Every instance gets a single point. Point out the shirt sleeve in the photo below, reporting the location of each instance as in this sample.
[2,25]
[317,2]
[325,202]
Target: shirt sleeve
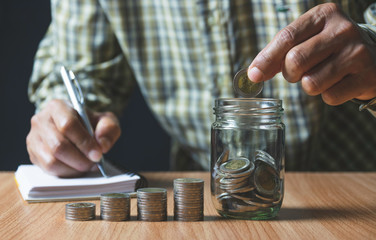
[370,22]
[80,38]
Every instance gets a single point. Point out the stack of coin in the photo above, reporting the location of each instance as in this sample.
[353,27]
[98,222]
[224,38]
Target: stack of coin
[80,211]
[152,204]
[188,199]
[236,173]
[115,206]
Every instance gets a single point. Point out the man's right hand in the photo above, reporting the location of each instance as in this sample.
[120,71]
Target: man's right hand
[59,143]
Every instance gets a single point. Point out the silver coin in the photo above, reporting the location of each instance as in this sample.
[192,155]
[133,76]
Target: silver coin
[259,204]
[151,191]
[188,181]
[264,156]
[234,186]
[223,195]
[244,208]
[265,199]
[231,180]
[243,196]
[246,173]
[223,158]
[241,190]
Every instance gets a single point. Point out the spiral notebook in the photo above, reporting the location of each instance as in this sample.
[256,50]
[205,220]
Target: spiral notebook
[37,186]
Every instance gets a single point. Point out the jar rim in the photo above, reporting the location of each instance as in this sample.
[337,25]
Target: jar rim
[248,100]
[248,106]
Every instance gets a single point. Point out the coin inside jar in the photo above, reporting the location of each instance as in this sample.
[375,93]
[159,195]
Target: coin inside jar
[244,86]
[264,156]
[235,165]
[266,179]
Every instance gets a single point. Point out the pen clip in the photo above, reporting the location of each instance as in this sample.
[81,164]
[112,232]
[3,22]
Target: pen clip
[78,92]
[76,96]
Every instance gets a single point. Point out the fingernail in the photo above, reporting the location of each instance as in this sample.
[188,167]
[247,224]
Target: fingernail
[95,155]
[255,75]
[105,144]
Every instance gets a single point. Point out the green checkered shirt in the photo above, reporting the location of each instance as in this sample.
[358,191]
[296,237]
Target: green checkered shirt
[183,55]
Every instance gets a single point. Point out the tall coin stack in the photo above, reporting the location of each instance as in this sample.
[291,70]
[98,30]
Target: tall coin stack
[115,206]
[80,211]
[188,199]
[152,204]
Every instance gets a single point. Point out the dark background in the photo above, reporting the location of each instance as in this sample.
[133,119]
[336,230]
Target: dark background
[143,145]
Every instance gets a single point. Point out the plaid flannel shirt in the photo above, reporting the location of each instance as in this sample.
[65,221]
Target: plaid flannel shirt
[183,55]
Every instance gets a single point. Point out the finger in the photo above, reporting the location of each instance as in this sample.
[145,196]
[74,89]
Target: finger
[30,145]
[330,71]
[53,166]
[322,77]
[39,155]
[348,88]
[65,151]
[307,55]
[269,61]
[107,130]
[68,123]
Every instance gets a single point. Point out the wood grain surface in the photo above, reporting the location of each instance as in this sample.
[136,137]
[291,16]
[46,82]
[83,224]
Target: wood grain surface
[316,206]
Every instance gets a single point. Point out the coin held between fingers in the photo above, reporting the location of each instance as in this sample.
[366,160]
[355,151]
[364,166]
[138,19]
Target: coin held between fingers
[244,86]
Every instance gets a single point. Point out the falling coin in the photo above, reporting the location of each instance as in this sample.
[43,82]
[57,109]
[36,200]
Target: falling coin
[244,86]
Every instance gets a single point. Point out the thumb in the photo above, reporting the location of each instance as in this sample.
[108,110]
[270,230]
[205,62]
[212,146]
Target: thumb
[107,130]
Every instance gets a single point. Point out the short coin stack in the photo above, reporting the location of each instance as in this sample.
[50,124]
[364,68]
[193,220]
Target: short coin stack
[152,204]
[115,206]
[80,211]
[188,199]
[235,177]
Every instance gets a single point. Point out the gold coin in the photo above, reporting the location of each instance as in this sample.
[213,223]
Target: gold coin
[266,178]
[235,165]
[244,86]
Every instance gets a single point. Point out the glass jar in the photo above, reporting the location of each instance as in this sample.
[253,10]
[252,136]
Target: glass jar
[247,157]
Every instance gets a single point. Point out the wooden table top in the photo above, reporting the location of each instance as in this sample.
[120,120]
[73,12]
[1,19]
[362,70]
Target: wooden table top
[316,206]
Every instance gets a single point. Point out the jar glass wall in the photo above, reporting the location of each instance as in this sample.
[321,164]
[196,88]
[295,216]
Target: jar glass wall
[247,158]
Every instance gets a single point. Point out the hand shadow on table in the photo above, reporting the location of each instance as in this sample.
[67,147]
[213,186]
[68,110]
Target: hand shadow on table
[320,213]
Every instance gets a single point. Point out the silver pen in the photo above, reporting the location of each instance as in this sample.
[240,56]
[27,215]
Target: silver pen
[78,102]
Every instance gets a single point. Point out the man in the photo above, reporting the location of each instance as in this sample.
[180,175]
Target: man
[183,55]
